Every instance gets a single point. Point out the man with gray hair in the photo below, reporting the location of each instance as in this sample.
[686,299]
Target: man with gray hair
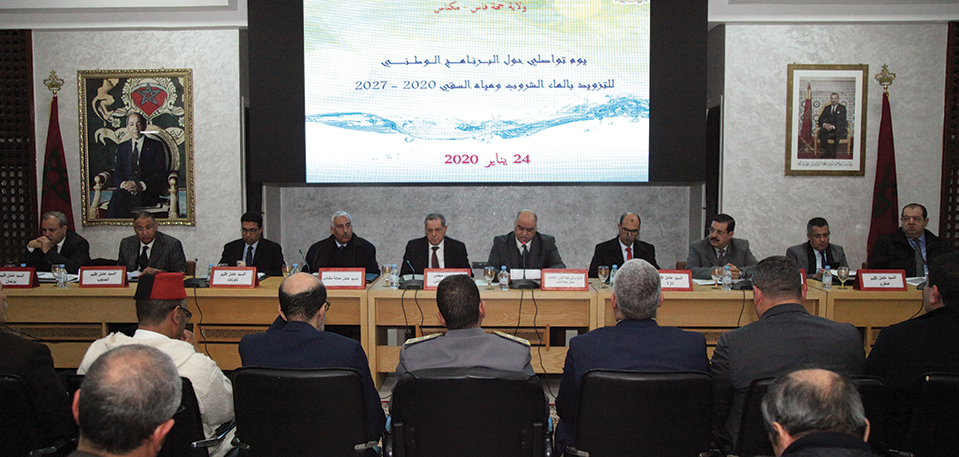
[126,403]
[637,342]
[435,250]
[525,248]
[342,248]
[815,413]
[57,245]
[785,338]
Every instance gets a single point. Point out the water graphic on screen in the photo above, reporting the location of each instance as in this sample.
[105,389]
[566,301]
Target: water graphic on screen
[474,92]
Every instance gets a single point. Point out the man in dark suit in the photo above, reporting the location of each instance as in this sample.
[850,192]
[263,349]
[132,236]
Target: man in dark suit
[57,245]
[297,340]
[32,362]
[785,338]
[525,248]
[435,250]
[150,251]
[624,247]
[637,342]
[342,248]
[910,248]
[924,344]
[253,250]
[817,253]
[832,126]
[719,248]
[140,174]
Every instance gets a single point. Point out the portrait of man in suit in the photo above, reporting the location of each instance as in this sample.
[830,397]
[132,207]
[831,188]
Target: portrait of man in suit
[140,173]
[832,126]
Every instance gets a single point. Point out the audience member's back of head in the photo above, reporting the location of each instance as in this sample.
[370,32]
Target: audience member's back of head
[458,299]
[126,394]
[637,289]
[301,296]
[813,401]
[778,278]
[944,274]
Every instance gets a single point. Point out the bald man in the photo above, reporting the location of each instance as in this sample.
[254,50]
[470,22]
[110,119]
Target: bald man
[625,246]
[525,248]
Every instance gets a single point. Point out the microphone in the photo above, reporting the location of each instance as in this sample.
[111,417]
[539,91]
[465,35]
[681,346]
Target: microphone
[196,282]
[305,264]
[411,283]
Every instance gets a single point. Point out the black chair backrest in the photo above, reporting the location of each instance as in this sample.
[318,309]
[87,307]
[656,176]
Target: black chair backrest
[468,411]
[934,421]
[20,429]
[643,413]
[187,427]
[294,412]
[753,439]
[872,391]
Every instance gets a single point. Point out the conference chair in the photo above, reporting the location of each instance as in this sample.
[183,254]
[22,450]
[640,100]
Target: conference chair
[629,413]
[468,412]
[21,432]
[933,428]
[300,412]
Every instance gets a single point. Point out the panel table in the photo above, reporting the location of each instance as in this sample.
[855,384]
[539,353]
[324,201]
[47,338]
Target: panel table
[870,310]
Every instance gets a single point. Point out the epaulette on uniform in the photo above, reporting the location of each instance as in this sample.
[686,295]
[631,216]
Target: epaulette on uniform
[513,337]
[421,339]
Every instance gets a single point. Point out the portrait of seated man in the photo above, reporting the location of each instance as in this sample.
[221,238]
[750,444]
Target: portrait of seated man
[832,128]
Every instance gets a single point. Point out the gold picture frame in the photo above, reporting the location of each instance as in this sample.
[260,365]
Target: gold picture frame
[154,172]
[826,120]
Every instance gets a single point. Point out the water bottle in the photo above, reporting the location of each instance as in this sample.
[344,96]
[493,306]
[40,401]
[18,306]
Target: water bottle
[612,275]
[61,275]
[727,278]
[827,279]
[296,269]
[209,271]
[394,277]
[503,278]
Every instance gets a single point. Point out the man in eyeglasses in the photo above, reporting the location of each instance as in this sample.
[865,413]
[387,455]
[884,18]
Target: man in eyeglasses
[162,316]
[910,248]
[816,254]
[297,340]
[625,246]
[720,249]
[253,250]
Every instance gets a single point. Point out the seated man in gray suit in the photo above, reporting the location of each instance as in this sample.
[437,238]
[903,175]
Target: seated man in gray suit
[785,338]
[150,251]
[720,249]
[815,254]
[525,248]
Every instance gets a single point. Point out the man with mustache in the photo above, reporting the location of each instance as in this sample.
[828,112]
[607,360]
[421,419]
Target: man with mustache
[720,249]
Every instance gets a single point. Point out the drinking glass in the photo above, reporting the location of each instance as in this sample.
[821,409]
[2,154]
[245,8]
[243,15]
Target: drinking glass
[386,270]
[287,270]
[843,274]
[490,274]
[717,274]
[603,273]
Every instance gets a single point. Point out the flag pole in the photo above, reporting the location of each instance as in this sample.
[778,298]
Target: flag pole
[885,194]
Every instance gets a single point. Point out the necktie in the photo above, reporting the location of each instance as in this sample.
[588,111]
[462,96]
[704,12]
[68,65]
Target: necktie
[249,255]
[822,255]
[143,259]
[434,260]
[722,257]
[920,262]
[629,253]
[525,253]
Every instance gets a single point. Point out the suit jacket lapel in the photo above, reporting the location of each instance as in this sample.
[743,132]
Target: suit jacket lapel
[810,258]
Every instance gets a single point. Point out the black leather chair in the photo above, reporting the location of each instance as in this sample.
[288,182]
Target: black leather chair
[468,412]
[300,412]
[872,391]
[21,432]
[933,428]
[624,413]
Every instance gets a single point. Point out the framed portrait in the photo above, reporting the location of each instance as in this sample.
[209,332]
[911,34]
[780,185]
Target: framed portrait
[826,120]
[136,145]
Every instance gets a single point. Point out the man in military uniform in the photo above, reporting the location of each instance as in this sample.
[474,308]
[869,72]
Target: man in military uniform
[465,344]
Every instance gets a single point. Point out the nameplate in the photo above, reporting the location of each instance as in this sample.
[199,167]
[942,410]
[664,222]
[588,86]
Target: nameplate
[343,278]
[103,276]
[802,277]
[19,277]
[433,276]
[233,277]
[676,279]
[564,279]
[885,280]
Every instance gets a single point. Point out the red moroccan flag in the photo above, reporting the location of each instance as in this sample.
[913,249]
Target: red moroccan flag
[885,196]
[55,193]
[805,131]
